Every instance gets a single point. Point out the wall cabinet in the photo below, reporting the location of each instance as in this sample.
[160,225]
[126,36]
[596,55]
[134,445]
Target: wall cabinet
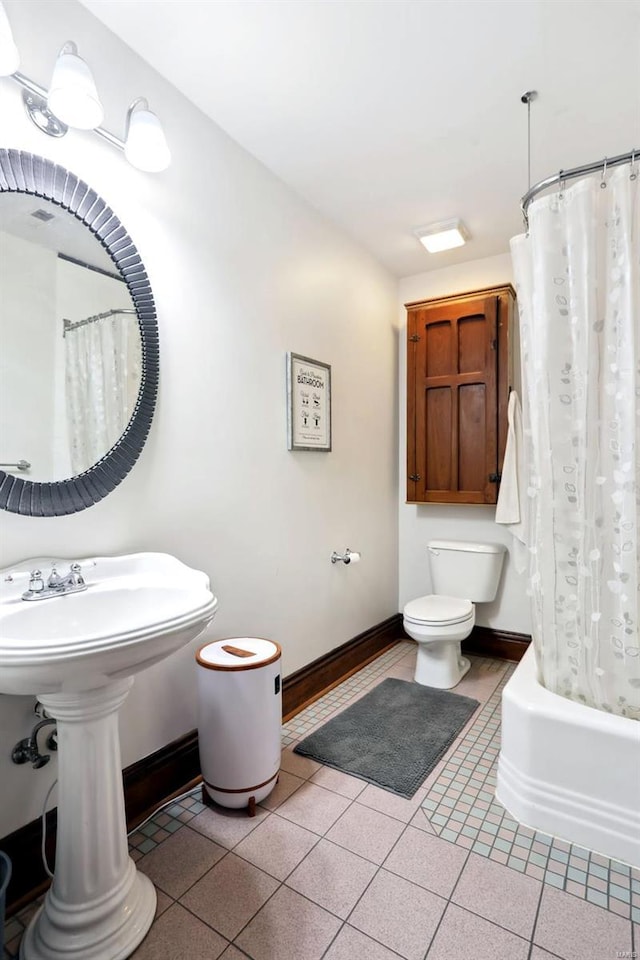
[458,376]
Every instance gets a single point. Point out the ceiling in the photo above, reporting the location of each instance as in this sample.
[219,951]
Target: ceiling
[391,114]
[21,214]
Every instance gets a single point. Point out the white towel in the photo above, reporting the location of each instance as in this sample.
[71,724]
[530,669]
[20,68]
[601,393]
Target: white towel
[512,500]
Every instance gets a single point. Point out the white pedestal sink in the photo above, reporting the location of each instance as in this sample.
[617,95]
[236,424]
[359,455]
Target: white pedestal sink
[77,653]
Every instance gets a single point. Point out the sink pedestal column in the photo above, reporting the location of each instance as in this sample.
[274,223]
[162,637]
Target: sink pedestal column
[98,907]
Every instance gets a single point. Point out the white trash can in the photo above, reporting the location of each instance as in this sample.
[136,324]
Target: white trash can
[239,720]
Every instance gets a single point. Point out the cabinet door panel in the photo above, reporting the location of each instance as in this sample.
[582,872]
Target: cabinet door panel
[472,432]
[439,429]
[439,353]
[452,397]
[472,344]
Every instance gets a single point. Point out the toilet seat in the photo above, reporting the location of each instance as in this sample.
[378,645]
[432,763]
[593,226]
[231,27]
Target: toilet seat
[434,610]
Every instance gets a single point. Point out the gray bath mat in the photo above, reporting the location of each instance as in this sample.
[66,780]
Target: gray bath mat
[392,737]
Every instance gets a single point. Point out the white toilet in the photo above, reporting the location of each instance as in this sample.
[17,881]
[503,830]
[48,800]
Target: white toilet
[462,574]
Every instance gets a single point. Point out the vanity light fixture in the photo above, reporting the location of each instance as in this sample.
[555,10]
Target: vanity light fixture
[443,236]
[72,101]
[146,146]
[73,97]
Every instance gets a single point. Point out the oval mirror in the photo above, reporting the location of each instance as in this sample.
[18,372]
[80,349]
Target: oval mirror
[79,356]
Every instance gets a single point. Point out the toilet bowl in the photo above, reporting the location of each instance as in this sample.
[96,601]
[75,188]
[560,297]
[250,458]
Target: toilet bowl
[439,622]
[438,625]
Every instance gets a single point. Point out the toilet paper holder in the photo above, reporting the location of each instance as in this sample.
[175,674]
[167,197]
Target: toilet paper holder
[349,556]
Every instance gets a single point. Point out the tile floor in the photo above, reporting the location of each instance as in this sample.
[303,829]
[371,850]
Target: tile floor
[334,868]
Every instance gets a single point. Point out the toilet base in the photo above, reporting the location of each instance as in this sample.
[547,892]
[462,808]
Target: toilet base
[440,664]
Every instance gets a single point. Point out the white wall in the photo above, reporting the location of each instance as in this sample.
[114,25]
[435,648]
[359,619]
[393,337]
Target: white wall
[242,271]
[27,344]
[420,523]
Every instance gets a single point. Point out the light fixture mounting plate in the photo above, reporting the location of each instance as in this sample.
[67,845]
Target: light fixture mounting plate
[39,113]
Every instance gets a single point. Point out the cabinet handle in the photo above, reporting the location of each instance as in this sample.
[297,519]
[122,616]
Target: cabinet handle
[415,477]
[495,477]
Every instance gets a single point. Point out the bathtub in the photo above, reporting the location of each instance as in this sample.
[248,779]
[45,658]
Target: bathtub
[569,770]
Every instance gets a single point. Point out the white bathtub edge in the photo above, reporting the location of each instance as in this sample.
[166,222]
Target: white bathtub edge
[544,790]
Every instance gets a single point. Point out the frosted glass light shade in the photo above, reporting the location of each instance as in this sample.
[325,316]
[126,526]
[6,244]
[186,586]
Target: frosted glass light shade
[9,56]
[73,97]
[146,146]
[443,236]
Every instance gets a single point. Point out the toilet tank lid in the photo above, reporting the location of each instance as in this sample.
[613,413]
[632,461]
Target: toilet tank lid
[467,546]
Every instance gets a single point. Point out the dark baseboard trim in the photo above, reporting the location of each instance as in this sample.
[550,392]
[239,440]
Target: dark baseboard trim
[174,768]
[147,783]
[503,644]
[168,771]
[487,642]
[307,684]
[28,879]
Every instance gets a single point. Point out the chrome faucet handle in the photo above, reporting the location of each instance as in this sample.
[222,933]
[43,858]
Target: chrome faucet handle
[36,583]
[75,574]
[36,586]
[54,580]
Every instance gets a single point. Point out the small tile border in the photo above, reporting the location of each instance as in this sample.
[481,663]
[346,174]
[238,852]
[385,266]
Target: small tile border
[164,823]
[302,724]
[462,808]
[170,818]
[460,805]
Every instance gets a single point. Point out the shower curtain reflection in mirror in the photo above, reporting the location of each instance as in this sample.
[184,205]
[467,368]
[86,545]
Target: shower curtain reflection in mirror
[56,279]
[578,281]
[102,379]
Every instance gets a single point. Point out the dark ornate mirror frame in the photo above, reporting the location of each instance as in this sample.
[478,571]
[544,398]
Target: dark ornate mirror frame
[25,173]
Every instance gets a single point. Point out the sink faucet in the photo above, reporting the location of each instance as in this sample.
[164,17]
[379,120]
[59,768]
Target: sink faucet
[56,586]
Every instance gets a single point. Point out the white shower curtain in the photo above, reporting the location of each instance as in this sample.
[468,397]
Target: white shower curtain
[578,284]
[102,372]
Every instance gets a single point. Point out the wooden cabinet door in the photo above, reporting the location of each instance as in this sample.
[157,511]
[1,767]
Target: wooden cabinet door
[452,390]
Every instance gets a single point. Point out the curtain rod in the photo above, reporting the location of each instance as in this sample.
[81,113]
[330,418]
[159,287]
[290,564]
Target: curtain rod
[90,266]
[563,175]
[70,325]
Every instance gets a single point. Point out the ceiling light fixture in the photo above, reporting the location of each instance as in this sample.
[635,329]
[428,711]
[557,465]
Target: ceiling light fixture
[443,236]
[73,101]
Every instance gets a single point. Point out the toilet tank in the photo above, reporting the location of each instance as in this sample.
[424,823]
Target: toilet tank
[467,570]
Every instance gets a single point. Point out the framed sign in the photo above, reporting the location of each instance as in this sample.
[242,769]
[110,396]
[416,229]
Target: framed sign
[308,403]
